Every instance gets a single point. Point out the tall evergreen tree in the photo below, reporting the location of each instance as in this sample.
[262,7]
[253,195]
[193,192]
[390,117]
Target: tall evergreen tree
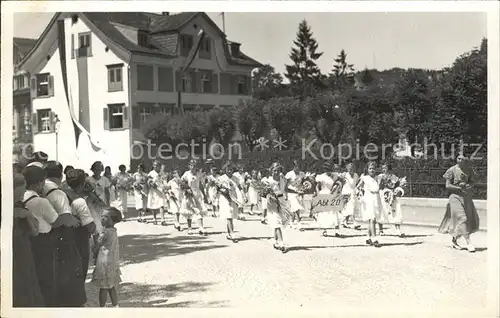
[342,75]
[304,74]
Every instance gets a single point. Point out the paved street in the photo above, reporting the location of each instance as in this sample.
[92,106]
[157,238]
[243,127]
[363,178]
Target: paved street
[165,268]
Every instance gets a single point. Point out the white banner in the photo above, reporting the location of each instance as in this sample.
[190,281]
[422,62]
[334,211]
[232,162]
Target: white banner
[328,203]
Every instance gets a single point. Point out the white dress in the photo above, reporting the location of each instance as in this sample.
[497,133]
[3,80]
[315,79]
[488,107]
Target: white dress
[351,207]
[253,195]
[329,219]
[156,198]
[370,202]
[263,200]
[195,205]
[227,208]
[173,200]
[211,191]
[239,179]
[391,214]
[141,198]
[295,200]
[275,218]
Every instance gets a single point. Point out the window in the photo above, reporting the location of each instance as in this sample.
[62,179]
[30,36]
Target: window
[84,44]
[166,109]
[44,120]
[19,82]
[145,78]
[42,84]
[165,79]
[241,85]
[189,107]
[146,110]
[142,39]
[115,116]
[187,83]
[115,79]
[186,43]
[204,52]
[206,82]
[26,119]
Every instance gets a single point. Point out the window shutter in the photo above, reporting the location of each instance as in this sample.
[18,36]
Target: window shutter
[178,81]
[105,119]
[198,82]
[194,82]
[169,78]
[215,83]
[51,121]
[248,80]
[33,88]
[89,47]
[34,122]
[72,46]
[136,117]
[125,118]
[232,85]
[51,85]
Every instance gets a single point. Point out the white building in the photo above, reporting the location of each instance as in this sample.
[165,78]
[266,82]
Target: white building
[101,75]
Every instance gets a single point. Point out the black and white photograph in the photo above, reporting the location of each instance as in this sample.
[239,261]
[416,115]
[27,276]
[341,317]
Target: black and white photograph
[289,158]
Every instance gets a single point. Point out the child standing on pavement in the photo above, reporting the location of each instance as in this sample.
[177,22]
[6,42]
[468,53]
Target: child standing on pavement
[370,202]
[107,271]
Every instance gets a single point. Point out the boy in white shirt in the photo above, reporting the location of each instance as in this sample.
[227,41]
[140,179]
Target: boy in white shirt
[44,245]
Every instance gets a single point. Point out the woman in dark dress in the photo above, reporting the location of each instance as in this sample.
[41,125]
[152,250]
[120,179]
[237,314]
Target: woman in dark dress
[26,291]
[461,218]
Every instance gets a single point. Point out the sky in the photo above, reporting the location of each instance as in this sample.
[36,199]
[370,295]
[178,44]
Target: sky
[371,39]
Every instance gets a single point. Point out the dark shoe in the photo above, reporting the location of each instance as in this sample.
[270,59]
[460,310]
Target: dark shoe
[369,242]
[455,244]
[376,244]
[163,223]
[325,233]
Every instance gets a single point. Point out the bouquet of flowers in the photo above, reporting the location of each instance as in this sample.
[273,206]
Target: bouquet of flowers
[124,182]
[305,183]
[265,190]
[92,197]
[393,188]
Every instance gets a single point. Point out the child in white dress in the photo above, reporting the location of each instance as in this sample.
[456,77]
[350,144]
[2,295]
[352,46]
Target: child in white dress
[140,191]
[326,183]
[156,197]
[227,195]
[174,198]
[391,213]
[294,197]
[107,271]
[239,177]
[349,192]
[253,195]
[370,202]
[192,198]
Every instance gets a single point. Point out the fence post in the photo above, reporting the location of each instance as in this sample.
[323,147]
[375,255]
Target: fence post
[411,183]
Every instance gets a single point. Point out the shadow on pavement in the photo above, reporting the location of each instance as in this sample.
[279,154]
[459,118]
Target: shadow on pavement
[143,248]
[143,295]
[254,238]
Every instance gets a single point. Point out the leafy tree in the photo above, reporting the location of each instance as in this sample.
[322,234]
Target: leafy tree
[304,74]
[342,75]
[328,120]
[267,84]
[287,117]
[366,77]
[251,121]
[222,125]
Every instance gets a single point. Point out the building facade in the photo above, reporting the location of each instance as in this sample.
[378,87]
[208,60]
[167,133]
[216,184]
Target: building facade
[98,77]
[21,110]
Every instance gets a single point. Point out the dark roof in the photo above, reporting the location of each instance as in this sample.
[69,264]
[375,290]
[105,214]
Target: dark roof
[24,45]
[152,23]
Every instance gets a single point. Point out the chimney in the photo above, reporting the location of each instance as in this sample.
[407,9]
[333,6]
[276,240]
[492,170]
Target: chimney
[235,49]
[165,14]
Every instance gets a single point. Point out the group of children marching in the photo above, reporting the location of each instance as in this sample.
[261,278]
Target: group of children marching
[279,198]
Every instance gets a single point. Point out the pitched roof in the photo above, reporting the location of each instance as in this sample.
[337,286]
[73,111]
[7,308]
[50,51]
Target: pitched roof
[153,23]
[24,45]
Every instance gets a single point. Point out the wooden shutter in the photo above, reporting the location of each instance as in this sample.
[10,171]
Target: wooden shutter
[125,117]
[136,117]
[105,117]
[165,79]
[89,47]
[194,83]
[248,81]
[33,88]
[178,81]
[233,88]
[215,83]
[52,123]
[197,77]
[51,86]
[72,46]
[34,122]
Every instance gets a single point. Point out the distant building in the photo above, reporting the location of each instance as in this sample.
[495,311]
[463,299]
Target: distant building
[100,76]
[21,109]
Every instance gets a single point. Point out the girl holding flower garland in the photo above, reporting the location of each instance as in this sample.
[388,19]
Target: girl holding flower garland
[192,198]
[370,201]
[349,192]
[156,198]
[253,195]
[390,189]
[279,214]
[140,191]
[228,199]
[123,186]
[328,183]
[173,195]
[211,190]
